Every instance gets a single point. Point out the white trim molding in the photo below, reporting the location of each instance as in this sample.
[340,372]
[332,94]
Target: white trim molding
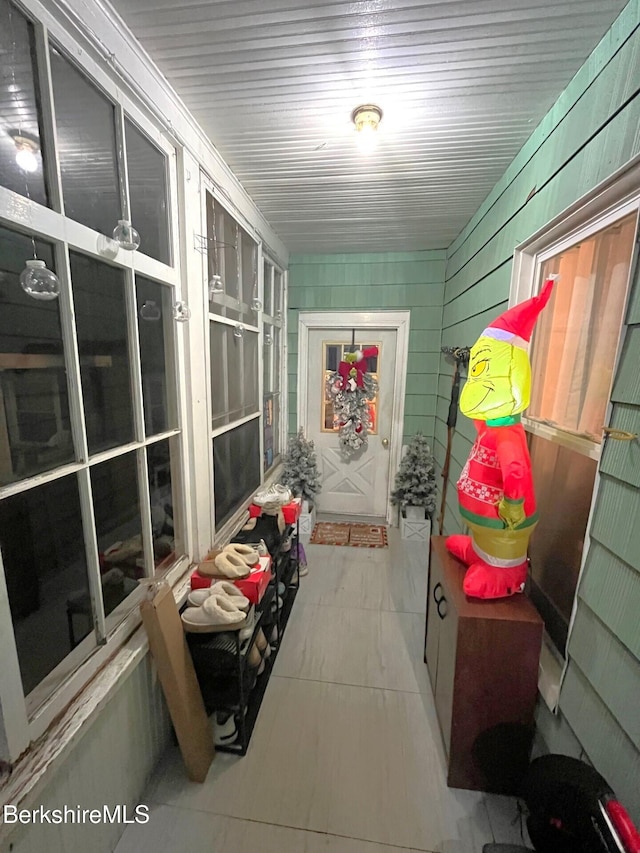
[398,321]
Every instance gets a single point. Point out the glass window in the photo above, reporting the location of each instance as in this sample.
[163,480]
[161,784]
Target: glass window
[85,123]
[155,324]
[573,360]
[249,277]
[147,170]
[277,293]
[45,568]
[162,503]
[234,373]
[117,512]
[268,288]
[236,468]
[21,165]
[35,428]
[573,357]
[101,323]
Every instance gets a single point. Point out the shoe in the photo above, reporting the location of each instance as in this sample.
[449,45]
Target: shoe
[232,565]
[303,570]
[275,496]
[216,613]
[286,544]
[226,730]
[281,589]
[247,631]
[199,596]
[245,552]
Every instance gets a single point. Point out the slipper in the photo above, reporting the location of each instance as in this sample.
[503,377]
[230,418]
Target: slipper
[217,613]
[254,658]
[230,590]
[231,565]
[249,555]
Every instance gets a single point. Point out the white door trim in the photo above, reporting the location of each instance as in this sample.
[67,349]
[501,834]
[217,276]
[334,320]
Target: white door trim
[398,320]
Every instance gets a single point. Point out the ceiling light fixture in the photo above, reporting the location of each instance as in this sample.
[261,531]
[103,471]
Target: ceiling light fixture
[28,147]
[366,119]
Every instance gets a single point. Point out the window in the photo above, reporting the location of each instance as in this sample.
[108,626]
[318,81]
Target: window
[273,282]
[86,134]
[21,163]
[90,448]
[573,355]
[147,172]
[333,354]
[236,468]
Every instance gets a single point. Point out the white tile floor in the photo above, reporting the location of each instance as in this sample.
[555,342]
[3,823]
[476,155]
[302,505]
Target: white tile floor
[346,755]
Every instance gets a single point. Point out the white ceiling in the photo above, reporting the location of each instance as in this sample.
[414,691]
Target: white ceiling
[462,84]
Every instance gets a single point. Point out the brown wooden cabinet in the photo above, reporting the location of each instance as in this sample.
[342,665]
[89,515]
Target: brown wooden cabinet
[482,658]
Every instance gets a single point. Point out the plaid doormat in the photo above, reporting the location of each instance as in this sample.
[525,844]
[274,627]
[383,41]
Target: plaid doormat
[356,535]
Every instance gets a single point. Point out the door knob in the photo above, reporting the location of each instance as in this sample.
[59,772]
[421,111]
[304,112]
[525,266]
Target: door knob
[385,442]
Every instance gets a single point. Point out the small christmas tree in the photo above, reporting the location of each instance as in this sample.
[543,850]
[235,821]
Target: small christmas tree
[300,468]
[415,483]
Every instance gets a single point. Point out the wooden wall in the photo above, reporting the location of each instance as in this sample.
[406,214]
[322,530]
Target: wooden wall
[592,130]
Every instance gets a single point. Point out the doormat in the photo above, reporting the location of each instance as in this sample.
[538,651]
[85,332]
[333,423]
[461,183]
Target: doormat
[356,535]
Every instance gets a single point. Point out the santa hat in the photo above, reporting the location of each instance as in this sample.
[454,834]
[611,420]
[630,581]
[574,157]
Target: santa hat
[515,325]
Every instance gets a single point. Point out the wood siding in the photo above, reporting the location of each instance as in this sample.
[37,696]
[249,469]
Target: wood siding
[592,130]
[371,282]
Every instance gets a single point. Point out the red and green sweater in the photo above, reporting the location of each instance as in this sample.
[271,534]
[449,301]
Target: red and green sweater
[498,466]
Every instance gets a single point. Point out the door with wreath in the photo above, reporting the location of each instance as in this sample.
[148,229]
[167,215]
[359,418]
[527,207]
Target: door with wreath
[354,460]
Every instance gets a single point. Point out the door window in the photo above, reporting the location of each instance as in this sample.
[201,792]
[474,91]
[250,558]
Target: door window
[332,354]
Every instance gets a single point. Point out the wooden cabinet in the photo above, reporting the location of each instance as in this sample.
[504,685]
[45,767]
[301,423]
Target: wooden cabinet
[482,658]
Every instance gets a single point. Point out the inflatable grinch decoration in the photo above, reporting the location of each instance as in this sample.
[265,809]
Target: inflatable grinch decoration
[495,489]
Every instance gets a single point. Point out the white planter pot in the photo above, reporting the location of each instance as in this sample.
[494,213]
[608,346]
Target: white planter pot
[414,513]
[307,519]
[415,530]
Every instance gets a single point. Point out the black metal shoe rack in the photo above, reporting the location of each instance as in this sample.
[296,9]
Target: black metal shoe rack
[220,660]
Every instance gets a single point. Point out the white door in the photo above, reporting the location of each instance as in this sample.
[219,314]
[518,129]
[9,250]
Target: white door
[355,485]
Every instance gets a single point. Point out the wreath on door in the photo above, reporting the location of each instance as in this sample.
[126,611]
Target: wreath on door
[352,388]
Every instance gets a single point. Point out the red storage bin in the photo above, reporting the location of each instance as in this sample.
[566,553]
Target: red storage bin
[290,511]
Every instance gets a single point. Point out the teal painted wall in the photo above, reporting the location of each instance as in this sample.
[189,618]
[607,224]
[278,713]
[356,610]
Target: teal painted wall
[592,130]
[385,281]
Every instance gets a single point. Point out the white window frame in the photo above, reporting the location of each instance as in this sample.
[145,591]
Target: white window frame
[614,198]
[25,719]
[276,320]
[208,187]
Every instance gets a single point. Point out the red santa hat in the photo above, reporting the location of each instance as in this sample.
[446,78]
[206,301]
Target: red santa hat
[515,325]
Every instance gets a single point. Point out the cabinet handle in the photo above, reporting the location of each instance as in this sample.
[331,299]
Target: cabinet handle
[440,600]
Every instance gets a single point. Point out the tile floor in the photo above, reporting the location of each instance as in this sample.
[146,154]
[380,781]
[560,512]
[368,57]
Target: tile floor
[346,755]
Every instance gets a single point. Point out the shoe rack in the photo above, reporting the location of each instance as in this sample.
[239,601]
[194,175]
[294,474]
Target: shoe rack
[228,681]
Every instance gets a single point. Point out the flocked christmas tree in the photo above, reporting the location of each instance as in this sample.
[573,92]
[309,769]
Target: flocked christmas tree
[415,483]
[300,471]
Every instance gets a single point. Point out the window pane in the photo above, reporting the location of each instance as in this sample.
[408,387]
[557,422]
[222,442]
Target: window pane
[101,323]
[333,354]
[35,428]
[45,568]
[577,335]
[267,420]
[236,468]
[277,292]
[21,119]
[222,260]
[277,343]
[117,511]
[268,289]
[162,515]
[86,147]
[148,194]
[234,374]
[276,426]
[249,277]
[155,325]
[267,351]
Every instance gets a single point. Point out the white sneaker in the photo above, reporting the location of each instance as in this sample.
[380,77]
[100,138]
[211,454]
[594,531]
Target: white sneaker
[227,731]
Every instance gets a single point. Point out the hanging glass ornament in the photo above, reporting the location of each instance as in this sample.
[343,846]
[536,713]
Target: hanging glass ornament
[39,282]
[181,312]
[256,305]
[107,247]
[268,340]
[238,331]
[150,311]
[126,235]
[278,315]
[216,285]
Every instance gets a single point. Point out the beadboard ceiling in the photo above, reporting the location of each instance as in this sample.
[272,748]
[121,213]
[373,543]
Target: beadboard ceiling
[462,84]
